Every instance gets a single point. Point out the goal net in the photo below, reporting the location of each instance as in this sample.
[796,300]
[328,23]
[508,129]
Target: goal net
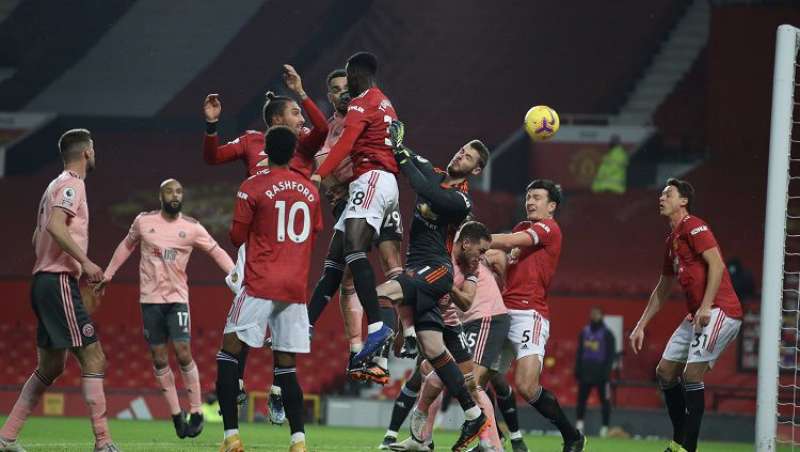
[778,405]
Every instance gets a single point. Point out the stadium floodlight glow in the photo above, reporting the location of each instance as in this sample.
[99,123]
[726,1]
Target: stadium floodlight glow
[779,397]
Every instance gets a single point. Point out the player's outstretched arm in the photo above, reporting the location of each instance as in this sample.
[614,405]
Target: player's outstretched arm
[213,153]
[310,144]
[657,299]
[444,201]
[507,242]
[350,133]
[57,227]
[120,256]
[205,242]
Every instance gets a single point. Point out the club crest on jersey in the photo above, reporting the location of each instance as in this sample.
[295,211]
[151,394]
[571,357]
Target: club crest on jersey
[426,212]
[182,235]
[88,330]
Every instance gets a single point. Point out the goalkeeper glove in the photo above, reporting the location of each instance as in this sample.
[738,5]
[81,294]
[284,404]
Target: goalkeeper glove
[401,155]
[396,133]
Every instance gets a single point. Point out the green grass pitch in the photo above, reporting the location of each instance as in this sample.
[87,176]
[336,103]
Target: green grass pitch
[74,434]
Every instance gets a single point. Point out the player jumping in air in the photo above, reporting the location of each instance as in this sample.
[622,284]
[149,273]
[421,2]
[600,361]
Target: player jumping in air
[442,204]
[525,296]
[388,242]
[373,194]
[693,257]
[167,238]
[61,239]
[277,216]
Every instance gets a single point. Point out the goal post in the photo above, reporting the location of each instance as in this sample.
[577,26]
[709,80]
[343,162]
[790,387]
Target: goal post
[773,289]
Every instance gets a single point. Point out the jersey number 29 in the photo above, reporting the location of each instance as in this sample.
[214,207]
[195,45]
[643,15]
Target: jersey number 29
[286,225]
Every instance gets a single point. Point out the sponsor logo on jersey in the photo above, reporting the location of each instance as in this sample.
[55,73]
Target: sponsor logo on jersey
[698,230]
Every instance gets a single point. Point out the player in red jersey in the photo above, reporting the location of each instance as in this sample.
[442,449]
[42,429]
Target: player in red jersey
[277,110]
[249,148]
[389,243]
[693,257]
[277,216]
[61,241]
[525,296]
[373,192]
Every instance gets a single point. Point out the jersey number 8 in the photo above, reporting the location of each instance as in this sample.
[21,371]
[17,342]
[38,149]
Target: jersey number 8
[285,226]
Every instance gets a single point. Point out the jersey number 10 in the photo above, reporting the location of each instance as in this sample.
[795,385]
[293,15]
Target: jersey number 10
[287,227]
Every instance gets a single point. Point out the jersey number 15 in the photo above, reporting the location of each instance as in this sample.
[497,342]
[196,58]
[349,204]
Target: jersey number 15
[287,225]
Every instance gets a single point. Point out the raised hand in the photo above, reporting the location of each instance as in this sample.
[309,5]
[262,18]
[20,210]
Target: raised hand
[212,108]
[293,81]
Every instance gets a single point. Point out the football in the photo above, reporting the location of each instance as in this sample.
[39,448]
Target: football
[541,122]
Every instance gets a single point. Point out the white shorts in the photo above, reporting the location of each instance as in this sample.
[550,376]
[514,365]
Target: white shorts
[249,318]
[527,336]
[372,196]
[688,346]
[236,276]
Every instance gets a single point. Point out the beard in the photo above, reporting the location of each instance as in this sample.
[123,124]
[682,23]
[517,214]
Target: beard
[172,209]
[455,173]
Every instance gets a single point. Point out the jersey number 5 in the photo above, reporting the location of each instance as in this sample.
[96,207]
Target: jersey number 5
[286,225]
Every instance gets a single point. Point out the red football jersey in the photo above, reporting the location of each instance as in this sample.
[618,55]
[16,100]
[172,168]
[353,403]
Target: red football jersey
[283,211]
[528,279]
[684,259]
[249,148]
[369,115]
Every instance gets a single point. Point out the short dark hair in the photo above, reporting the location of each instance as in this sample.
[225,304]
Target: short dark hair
[553,189]
[365,62]
[72,141]
[685,189]
[336,73]
[274,105]
[475,231]
[483,152]
[279,144]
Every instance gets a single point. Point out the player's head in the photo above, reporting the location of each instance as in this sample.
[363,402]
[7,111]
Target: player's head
[676,198]
[336,83]
[282,111]
[542,198]
[469,160]
[362,68]
[76,145]
[472,241]
[279,143]
[596,315]
[171,196]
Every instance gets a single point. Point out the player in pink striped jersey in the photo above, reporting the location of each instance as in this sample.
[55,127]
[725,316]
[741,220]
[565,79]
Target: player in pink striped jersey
[61,239]
[476,302]
[167,239]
